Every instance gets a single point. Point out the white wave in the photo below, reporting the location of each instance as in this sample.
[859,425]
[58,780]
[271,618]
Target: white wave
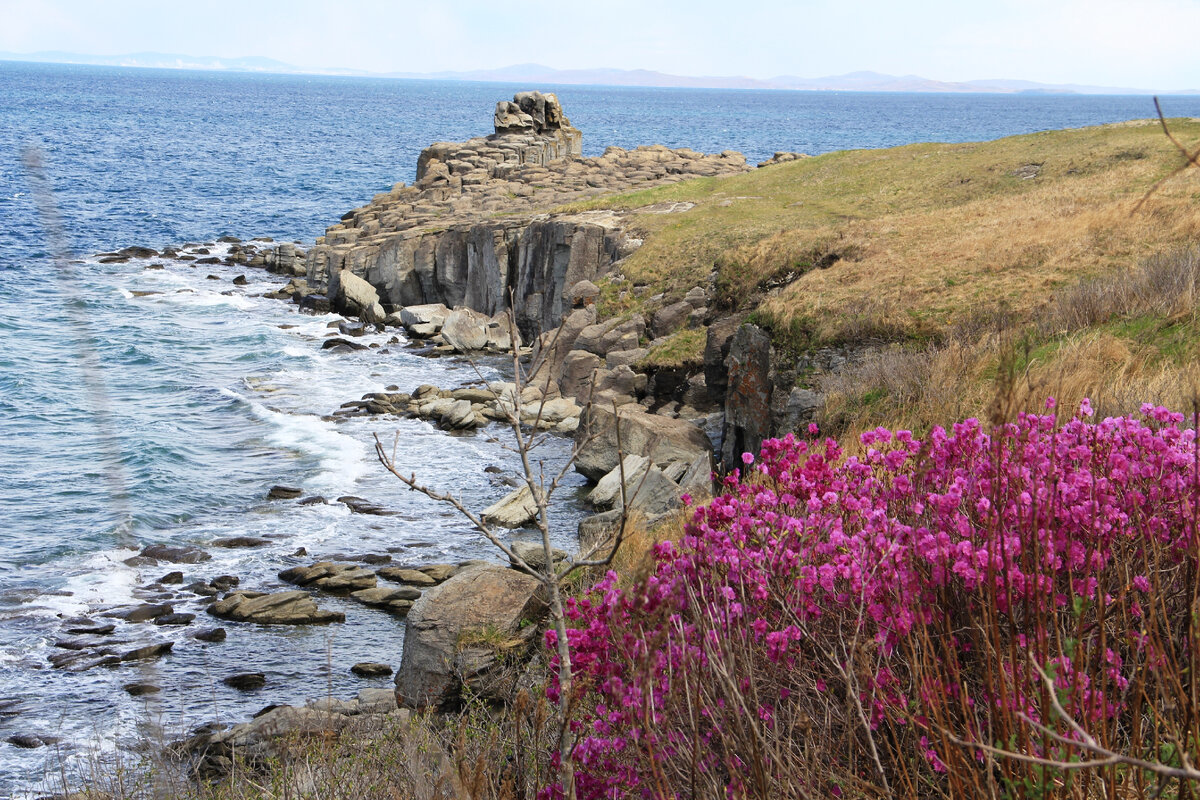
[342,459]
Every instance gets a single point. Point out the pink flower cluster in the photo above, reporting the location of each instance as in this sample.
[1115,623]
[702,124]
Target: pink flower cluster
[810,555]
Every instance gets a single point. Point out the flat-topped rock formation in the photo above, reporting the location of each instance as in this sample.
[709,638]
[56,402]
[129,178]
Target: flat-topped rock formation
[469,230]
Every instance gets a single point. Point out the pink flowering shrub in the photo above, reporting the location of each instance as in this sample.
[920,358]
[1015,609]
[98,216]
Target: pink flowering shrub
[887,624]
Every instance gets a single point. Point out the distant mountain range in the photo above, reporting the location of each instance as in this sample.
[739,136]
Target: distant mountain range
[543,75]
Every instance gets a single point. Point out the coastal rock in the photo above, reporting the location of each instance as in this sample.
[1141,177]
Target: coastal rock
[238,542]
[392,600]
[331,577]
[534,554]
[466,330]
[279,608]
[513,510]
[181,554]
[748,400]
[371,669]
[284,493]
[456,631]
[245,681]
[406,575]
[661,439]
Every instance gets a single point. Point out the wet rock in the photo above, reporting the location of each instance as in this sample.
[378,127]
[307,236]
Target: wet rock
[278,608]
[246,681]
[30,742]
[240,280]
[148,652]
[349,328]
[175,554]
[224,583]
[371,669]
[142,613]
[210,635]
[360,506]
[315,304]
[90,629]
[240,541]
[140,689]
[339,344]
[284,493]
[175,619]
[171,578]
[438,650]
[201,588]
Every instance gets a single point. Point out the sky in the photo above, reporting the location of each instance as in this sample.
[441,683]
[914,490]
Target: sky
[1145,44]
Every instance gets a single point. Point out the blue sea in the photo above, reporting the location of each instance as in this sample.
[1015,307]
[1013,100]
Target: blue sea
[215,394]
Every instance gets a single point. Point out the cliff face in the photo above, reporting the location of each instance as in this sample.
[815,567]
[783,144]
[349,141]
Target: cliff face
[469,230]
[477,264]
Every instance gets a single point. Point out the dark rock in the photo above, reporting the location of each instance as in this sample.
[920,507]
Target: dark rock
[93,629]
[224,583]
[137,252]
[201,588]
[315,500]
[716,350]
[175,619]
[28,741]
[315,304]
[240,280]
[210,635]
[241,541]
[371,669]
[246,681]
[139,689]
[284,493]
[748,400]
[341,344]
[350,328]
[360,506]
[175,577]
[148,652]
[142,613]
[182,554]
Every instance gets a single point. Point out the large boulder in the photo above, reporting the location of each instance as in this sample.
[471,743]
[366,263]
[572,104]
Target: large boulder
[659,438]
[466,329]
[456,632]
[353,295]
[647,488]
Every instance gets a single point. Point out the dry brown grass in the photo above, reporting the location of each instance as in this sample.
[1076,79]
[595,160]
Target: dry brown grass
[1120,340]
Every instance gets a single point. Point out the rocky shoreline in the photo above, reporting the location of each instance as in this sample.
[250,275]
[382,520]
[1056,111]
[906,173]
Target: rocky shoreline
[472,260]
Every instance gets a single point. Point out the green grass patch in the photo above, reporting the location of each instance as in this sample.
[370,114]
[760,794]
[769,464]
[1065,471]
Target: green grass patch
[685,347]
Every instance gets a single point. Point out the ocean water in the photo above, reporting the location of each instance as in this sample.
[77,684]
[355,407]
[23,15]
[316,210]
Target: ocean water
[216,394]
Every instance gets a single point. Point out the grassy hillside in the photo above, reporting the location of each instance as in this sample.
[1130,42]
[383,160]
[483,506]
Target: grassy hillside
[955,254]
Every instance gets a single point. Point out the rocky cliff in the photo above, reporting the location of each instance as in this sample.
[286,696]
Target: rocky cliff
[475,225]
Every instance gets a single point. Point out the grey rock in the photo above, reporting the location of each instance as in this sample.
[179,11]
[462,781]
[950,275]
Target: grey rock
[437,654]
